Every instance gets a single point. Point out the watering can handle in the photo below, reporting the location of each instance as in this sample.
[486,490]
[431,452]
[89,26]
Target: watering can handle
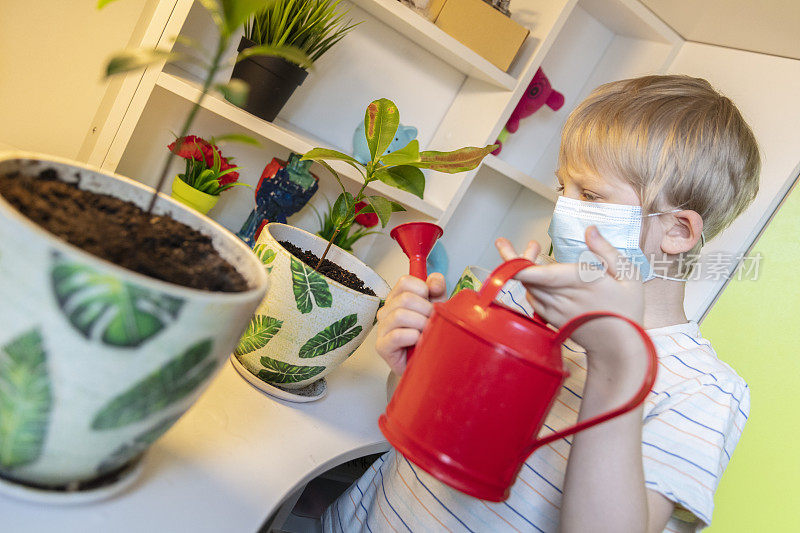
[650,377]
[499,277]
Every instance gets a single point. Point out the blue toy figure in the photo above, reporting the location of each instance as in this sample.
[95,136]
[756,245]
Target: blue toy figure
[404,135]
[284,188]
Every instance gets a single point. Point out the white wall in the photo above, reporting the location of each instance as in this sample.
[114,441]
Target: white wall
[766,89]
[53,54]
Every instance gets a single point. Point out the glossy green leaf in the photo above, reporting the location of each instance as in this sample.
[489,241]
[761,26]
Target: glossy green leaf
[460,160]
[25,399]
[237,138]
[334,336]
[405,177]
[235,91]
[172,382]
[408,154]
[309,287]
[137,58]
[280,372]
[289,53]
[383,208]
[137,446]
[380,125]
[236,12]
[99,304]
[317,154]
[343,210]
[258,333]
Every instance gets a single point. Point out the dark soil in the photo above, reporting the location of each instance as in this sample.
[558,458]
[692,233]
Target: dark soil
[118,231]
[328,269]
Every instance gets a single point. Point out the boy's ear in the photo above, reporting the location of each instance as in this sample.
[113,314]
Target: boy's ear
[684,233]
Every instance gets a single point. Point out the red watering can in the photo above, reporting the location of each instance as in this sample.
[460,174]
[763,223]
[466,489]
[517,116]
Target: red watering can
[472,400]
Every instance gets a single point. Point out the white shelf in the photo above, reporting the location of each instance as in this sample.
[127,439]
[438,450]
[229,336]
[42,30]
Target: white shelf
[529,182]
[283,135]
[426,34]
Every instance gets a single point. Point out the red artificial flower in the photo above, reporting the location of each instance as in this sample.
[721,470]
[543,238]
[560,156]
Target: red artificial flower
[192,147]
[230,177]
[367,220]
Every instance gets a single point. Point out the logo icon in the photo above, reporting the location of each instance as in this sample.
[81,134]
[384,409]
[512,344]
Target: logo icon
[590,268]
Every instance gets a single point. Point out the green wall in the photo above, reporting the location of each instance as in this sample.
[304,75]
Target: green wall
[754,328]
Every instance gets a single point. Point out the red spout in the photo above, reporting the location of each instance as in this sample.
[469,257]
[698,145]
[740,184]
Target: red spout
[417,240]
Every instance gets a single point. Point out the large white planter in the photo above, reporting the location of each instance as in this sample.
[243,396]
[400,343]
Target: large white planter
[307,324]
[96,361]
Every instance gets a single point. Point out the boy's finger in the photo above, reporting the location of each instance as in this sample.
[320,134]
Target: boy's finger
[612,258]
[506,249]
[436,286]
[410,284]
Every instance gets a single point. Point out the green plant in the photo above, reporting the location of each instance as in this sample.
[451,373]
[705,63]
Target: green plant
[312,26]
[400,169]
[343,239]
[206,168]
[228,17]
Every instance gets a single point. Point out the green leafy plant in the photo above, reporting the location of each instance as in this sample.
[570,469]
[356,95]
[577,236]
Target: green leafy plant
[343,238]
[228,17]
[312,26]
[400,169]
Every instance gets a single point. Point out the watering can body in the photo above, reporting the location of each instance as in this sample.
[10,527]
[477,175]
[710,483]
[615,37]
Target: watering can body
[470,404]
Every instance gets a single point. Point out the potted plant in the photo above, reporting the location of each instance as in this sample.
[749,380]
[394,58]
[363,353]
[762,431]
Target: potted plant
[322,300]
[208,174]
[312,26]
[118,305]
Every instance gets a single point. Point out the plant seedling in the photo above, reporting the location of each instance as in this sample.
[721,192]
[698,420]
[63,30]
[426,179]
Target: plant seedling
[400,169]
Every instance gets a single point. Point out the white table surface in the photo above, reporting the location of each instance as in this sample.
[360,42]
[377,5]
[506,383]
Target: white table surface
[232,458]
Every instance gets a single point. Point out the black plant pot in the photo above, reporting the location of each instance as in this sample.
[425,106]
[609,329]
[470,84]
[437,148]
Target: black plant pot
[272,81]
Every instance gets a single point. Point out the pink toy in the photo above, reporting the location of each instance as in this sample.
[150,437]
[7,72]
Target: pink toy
[538,93]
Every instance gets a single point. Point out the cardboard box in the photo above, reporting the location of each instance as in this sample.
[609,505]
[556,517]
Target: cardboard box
[482,28]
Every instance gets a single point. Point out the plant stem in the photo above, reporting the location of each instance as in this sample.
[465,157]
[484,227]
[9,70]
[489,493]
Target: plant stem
[357,199]
[212,72]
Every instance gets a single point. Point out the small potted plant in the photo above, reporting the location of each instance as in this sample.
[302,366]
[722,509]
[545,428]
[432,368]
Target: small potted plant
[312,26]
[118,305]
[208,174]
[322,300]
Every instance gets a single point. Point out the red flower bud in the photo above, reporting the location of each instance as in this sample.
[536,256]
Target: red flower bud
[367,220]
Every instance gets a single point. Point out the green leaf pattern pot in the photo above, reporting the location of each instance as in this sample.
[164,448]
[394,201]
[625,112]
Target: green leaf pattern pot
[96,361]
[307,324]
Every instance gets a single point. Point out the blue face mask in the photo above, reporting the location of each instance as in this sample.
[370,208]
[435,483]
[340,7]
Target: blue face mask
[620,225]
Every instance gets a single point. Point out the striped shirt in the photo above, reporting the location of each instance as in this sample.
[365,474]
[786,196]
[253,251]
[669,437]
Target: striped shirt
[692,420]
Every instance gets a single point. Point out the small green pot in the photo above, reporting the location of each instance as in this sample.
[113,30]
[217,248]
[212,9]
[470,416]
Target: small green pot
[188,195]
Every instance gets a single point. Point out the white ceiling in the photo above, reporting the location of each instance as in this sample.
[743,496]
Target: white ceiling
[766,26]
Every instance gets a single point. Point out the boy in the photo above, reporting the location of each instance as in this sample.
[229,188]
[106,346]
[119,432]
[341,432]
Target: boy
[648,169]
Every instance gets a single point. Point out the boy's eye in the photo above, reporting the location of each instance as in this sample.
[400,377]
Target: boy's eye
[589,197]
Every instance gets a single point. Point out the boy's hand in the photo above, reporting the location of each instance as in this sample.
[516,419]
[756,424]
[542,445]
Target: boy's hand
[559,293]
[402,317]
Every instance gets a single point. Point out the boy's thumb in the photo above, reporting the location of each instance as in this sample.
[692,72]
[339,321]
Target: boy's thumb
[610,256]
[436,286]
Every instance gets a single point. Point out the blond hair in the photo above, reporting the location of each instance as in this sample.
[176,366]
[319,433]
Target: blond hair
[674,139]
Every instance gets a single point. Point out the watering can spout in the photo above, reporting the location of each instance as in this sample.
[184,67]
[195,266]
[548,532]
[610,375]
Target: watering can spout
[416,239]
